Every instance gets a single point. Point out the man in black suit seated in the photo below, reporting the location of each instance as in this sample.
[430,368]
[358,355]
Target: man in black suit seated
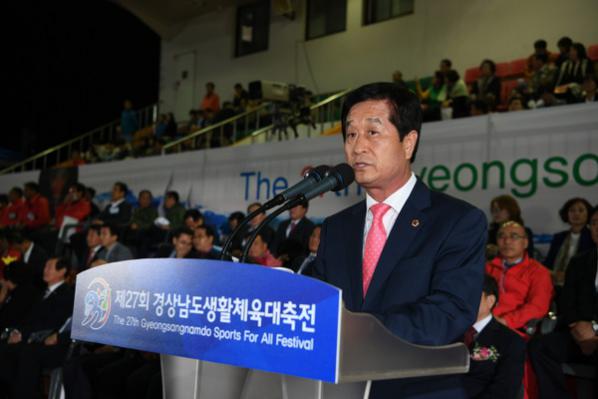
[33,256]
[181,246]
[292,236]
[113,251]
[17,295]
[575,339]
[94,250]
[204,238]
[41,341]
[304,264]
[497,353]
[118,211]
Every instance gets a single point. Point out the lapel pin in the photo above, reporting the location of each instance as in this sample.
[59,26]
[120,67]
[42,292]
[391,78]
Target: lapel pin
[415,223]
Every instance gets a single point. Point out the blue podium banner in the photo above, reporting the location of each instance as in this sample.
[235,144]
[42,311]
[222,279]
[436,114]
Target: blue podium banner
[239,314]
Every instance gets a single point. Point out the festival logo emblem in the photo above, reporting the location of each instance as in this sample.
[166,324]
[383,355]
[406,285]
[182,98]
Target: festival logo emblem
[97,304]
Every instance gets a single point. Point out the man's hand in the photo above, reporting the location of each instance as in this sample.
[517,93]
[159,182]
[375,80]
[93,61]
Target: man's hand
[582,331]
[15,337]
[51,340]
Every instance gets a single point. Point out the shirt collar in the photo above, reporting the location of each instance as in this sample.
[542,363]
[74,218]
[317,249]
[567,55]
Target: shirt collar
[28,253]
[480,325]
[117,203]
[397,199]
[53,287]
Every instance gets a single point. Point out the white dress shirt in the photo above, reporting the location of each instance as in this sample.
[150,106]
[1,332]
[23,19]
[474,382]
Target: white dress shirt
[28,253]
[480,325]
[396,201]
[52,288]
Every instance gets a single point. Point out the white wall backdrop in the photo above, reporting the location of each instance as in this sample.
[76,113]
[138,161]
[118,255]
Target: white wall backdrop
[466,31]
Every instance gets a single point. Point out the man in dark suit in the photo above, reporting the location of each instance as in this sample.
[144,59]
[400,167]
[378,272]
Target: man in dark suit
[41,329]
[412,257]
[113,250]
[181,247]
[497,353]
[34,257]
[118,211]
[292,236]
[94,250]
[576,337]
[17,295]
[305,264]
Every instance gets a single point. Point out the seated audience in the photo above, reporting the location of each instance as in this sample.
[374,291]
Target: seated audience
[41,340]
[144,215]
[568,243]
[576,68]
[504,208]
[543,74]
[525,284]
[211,100]
[9,252]
[113,251]
[174,211]
[118,211]
[540,49]
[204,238]
[267,231]
[17,295]
[304,264]
[90,194]
[234,219]
[15,212]
[74,209]
[292,237]
[160,127]
[93,251]
[193,219]
[497,353]
[564,44]
[432,97]
[38,208]
[487,86]
[32,255]
[445,66]
[181,246]
[259,253]
[575,339]
[456,95]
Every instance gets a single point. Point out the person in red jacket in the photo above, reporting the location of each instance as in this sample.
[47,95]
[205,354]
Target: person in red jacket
[38,208]
[15,211]
[525,284]
[74,205]
[525,288]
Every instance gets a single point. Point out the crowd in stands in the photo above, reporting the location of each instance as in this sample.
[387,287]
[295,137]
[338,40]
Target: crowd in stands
[43,249]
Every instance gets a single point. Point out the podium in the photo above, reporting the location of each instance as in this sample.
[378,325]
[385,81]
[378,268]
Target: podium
[236,331]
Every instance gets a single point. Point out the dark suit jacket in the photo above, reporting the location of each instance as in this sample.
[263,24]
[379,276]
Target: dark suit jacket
[427,286]
[579,300]
[585,243]
[49,313]
[297,241]
[17,305]
[122,217]
[501,379]
[36,263]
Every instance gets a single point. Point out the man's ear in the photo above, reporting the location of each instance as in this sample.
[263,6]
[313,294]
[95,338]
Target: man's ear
[409,143]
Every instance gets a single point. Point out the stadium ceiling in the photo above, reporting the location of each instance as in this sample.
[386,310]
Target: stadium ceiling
[168,17]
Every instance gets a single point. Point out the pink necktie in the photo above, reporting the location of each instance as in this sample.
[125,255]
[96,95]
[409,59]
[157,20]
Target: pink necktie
[374,244]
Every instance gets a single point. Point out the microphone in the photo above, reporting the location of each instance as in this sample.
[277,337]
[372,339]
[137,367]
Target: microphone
[336,179]
[312,177]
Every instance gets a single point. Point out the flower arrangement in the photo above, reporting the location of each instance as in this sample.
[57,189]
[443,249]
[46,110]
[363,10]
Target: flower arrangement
[482,353]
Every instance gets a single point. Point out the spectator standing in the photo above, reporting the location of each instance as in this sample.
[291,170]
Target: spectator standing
[487,86]
[128,121]
[240,98]
[38,208]
[211,100]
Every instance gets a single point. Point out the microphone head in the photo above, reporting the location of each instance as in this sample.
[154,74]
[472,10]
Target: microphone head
[319,172]
[344,175]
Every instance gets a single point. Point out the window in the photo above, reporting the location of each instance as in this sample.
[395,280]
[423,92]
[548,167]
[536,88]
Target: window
[253,26]
[381,10]
[325,17]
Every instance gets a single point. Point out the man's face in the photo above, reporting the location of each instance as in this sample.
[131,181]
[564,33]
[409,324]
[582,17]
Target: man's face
[117,193]
[298,212]
[512,242]
[106,238]
[210,88]
[13,196]
[169,202]
[444,67]
[145,200]
[373,147]
[29,193]
[486,305]
[93,238]
[594,227]
[258,248]
[314,240]
[74,194]
[201,241]
[51,275]
[182,245]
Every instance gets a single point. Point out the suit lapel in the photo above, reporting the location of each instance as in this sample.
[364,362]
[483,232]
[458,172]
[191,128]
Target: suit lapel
[399,239]
[354,244]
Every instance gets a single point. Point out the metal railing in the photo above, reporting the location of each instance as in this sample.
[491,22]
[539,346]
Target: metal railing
[221,133]
[64,151]
[324,115]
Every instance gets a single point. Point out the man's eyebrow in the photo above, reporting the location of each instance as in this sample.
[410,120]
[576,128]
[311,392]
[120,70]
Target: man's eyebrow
[375,120]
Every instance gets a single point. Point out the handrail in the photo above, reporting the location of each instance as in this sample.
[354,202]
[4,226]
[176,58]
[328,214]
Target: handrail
[210,128]
[67,143]
[330,99]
